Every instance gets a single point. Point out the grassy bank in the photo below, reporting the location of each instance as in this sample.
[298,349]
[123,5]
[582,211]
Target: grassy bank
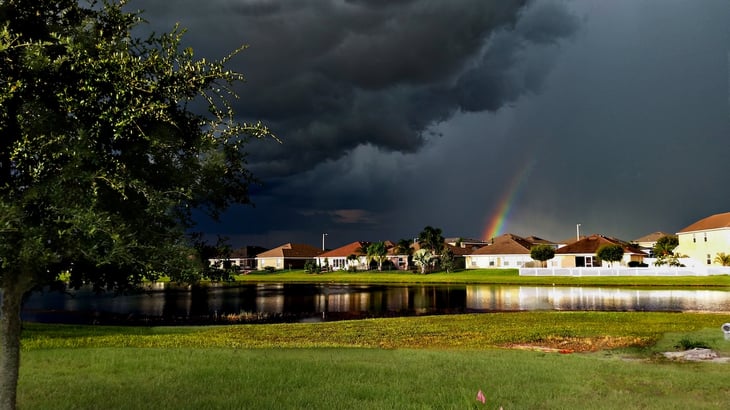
[421,362]
[491,276]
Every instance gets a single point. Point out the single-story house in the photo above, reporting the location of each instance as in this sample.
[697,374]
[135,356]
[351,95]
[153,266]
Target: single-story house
[351,255]
[582,253]
[241,259]
[287,256]
[701,241]
[507,251]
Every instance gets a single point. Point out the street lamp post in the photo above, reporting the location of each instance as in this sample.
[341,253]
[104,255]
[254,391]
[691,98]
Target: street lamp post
[323,235]
[577,232]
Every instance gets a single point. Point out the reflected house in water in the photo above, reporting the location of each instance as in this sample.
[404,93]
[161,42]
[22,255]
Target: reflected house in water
[299,302]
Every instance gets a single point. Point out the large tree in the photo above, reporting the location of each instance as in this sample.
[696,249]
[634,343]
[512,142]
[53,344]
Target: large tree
[378,252]
[431,238]
[665,245]
[610,253]
[542,253]
[107,142]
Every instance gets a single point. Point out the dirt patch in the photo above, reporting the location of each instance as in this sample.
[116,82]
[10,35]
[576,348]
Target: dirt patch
[579,344]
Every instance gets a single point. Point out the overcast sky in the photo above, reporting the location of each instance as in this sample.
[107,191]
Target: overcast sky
[541,115]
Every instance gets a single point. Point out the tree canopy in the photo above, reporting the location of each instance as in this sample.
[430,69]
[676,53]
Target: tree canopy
[610,253]
[431,238]
[104,153]
[665,245]
[542,253]
[378,252]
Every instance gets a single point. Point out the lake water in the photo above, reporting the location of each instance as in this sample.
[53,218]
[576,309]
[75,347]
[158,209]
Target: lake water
[315,302]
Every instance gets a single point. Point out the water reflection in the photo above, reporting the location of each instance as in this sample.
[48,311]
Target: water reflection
[293,302]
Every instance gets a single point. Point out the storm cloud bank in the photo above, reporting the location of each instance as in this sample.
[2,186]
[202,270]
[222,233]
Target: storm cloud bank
[328,76]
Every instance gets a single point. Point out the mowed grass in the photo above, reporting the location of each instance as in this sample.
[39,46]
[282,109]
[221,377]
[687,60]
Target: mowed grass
[490,276]
[408,363]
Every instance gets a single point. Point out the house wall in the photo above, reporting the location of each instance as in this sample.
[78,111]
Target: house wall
[569,260]
[702,246]
[263,263]
[496,261]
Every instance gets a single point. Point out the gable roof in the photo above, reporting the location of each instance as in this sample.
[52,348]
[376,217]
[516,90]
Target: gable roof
[652,237]
[536,240]
[291,250]
[507,244]
[590,244]
[354,248]
[717,221]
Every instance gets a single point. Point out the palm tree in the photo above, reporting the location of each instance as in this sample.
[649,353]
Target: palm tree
[723,259]
[378,252]
[352,262]
[430,238]
[422,258]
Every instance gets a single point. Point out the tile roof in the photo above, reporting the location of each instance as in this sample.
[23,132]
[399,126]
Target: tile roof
[717,221]
[354,248]
[291,250]
[590,244]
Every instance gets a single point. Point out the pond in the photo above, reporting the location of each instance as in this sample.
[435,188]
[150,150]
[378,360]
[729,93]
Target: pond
[266,303]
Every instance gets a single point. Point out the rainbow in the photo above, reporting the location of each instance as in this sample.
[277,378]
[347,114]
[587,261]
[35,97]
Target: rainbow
[496,223]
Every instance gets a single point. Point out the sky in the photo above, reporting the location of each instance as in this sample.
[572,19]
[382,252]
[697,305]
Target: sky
[476,117]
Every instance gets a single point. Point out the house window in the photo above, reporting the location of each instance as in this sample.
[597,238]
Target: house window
[709,259]
[506,263]
[693,238]
[491,263]
[705,237]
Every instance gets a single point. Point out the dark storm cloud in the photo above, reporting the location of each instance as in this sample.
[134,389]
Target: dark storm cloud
[328,76]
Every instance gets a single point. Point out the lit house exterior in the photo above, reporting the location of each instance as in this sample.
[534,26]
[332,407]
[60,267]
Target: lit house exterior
[701,241]
[582,253]
[287,256]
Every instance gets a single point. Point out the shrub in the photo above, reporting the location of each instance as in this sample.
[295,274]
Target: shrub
[687,344]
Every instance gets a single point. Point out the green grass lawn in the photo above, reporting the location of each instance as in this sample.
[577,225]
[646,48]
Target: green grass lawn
[491,276]
[409,363]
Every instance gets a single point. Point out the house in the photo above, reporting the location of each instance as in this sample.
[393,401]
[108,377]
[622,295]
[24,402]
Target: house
[287,256]
[701,241]
[582,253]
[350,256]
[646,243]
[507,251]
[242,259]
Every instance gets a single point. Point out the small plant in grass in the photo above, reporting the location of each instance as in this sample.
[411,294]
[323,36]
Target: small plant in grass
[688,344]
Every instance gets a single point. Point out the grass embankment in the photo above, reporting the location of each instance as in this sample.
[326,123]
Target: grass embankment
[421,362]
[482,276]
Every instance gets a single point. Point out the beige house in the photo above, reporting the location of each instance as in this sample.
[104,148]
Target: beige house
[582,253]
[287,256]
[507,251]
[647,242]
[703,240]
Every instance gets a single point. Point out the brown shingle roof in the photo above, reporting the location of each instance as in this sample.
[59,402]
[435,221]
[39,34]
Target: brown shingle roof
[717,221]
[291,250]
[507,244]
[590,245]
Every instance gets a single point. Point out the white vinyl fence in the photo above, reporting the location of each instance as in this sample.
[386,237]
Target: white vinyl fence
[622,271]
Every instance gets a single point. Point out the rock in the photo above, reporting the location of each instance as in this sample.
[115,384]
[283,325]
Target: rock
[692,355]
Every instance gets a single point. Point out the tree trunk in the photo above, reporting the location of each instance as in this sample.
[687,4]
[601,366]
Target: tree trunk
[10,326]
